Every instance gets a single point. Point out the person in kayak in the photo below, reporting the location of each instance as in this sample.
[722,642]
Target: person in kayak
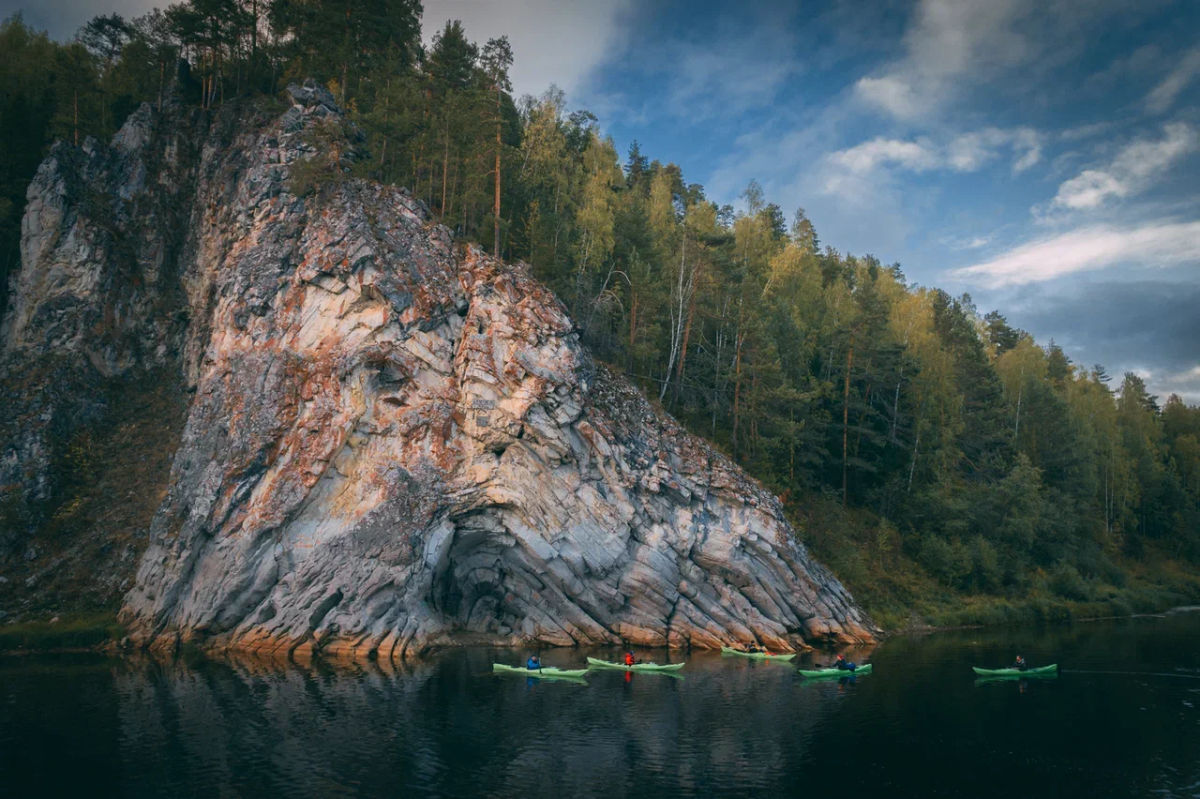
[534,663]
[1020,663]
[753,647]
[841,664]
[630,660]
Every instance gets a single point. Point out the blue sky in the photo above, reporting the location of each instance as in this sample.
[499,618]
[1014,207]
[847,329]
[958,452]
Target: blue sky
[1042,156]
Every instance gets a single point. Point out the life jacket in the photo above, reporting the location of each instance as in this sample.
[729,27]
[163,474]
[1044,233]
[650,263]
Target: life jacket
[629,659]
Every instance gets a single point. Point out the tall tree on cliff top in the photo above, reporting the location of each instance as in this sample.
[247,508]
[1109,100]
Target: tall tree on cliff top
[450,67]
[347,41]
[496,59]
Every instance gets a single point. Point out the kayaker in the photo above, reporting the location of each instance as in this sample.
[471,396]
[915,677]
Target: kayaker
[534,663]
[1020,663]
[629,659]
[844,665]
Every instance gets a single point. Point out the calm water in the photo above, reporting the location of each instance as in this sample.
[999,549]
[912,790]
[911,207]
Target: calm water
[1123,719]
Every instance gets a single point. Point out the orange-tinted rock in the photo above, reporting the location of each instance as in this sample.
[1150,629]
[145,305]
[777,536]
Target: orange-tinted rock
[396,443]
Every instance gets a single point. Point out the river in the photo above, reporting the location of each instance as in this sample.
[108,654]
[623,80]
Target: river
[1122,719]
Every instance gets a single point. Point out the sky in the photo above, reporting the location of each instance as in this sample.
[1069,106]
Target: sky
[1041,155]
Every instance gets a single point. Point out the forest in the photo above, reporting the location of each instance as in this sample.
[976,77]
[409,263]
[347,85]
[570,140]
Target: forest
[940,460]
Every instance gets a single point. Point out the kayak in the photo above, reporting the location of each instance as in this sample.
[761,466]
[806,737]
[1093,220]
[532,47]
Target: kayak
[725,650]
[814,673]
[991,678]
[1051,669]
[546,671]
[606,664]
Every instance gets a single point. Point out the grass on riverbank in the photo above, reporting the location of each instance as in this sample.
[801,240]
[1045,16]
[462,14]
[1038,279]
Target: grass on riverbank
[894,589]
[78,632]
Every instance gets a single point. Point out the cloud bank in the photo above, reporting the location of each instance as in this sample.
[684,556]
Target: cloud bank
[1086,249]
[1133,169]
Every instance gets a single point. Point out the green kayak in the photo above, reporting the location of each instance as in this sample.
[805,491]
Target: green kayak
[606,664]
[1041,670]
[816,673]
[547,671]
[725,650]
[993,678]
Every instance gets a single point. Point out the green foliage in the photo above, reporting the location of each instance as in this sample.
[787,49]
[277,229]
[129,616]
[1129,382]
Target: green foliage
[948,561]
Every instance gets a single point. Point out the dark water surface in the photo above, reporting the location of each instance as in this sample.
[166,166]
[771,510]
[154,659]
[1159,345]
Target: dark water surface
[1122,719]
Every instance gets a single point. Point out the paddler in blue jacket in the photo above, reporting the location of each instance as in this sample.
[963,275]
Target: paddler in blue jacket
[534,663]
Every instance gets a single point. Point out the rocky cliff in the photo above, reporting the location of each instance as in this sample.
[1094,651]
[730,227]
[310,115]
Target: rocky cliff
[393,442]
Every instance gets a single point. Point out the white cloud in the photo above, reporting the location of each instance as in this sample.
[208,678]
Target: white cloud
[970,151]
[967,152]
[1133,169]
[1086,249]
[949,40]
[1165,93]
[894,94]
[966,242]
[1089,189]
[866,157]
[553,41]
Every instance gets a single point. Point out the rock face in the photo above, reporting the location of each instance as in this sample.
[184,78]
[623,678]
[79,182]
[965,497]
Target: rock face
[97,315]
[397,443]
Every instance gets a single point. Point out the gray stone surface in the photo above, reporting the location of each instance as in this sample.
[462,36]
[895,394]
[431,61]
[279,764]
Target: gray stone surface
[395,442]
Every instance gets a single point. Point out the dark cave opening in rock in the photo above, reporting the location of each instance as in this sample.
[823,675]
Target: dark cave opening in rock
[482,583]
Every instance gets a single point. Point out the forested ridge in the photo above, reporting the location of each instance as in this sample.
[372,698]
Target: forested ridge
[929,453]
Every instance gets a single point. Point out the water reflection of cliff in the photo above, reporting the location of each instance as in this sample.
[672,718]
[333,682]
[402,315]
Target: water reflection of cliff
[451,728]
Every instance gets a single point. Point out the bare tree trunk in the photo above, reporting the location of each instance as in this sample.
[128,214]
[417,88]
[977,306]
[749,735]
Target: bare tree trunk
[445,168]
[846,422]
[1017,425]
[717,381]
[633,322]
[737,384]
[681,294]
[496,206]
[896,404]
[687,333]
[912,467]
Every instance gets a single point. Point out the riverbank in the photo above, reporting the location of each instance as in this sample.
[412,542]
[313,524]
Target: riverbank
[64,633]
[901,595]
[103,633]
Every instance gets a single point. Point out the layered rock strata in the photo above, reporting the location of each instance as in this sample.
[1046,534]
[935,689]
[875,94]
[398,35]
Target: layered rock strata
[396,443]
